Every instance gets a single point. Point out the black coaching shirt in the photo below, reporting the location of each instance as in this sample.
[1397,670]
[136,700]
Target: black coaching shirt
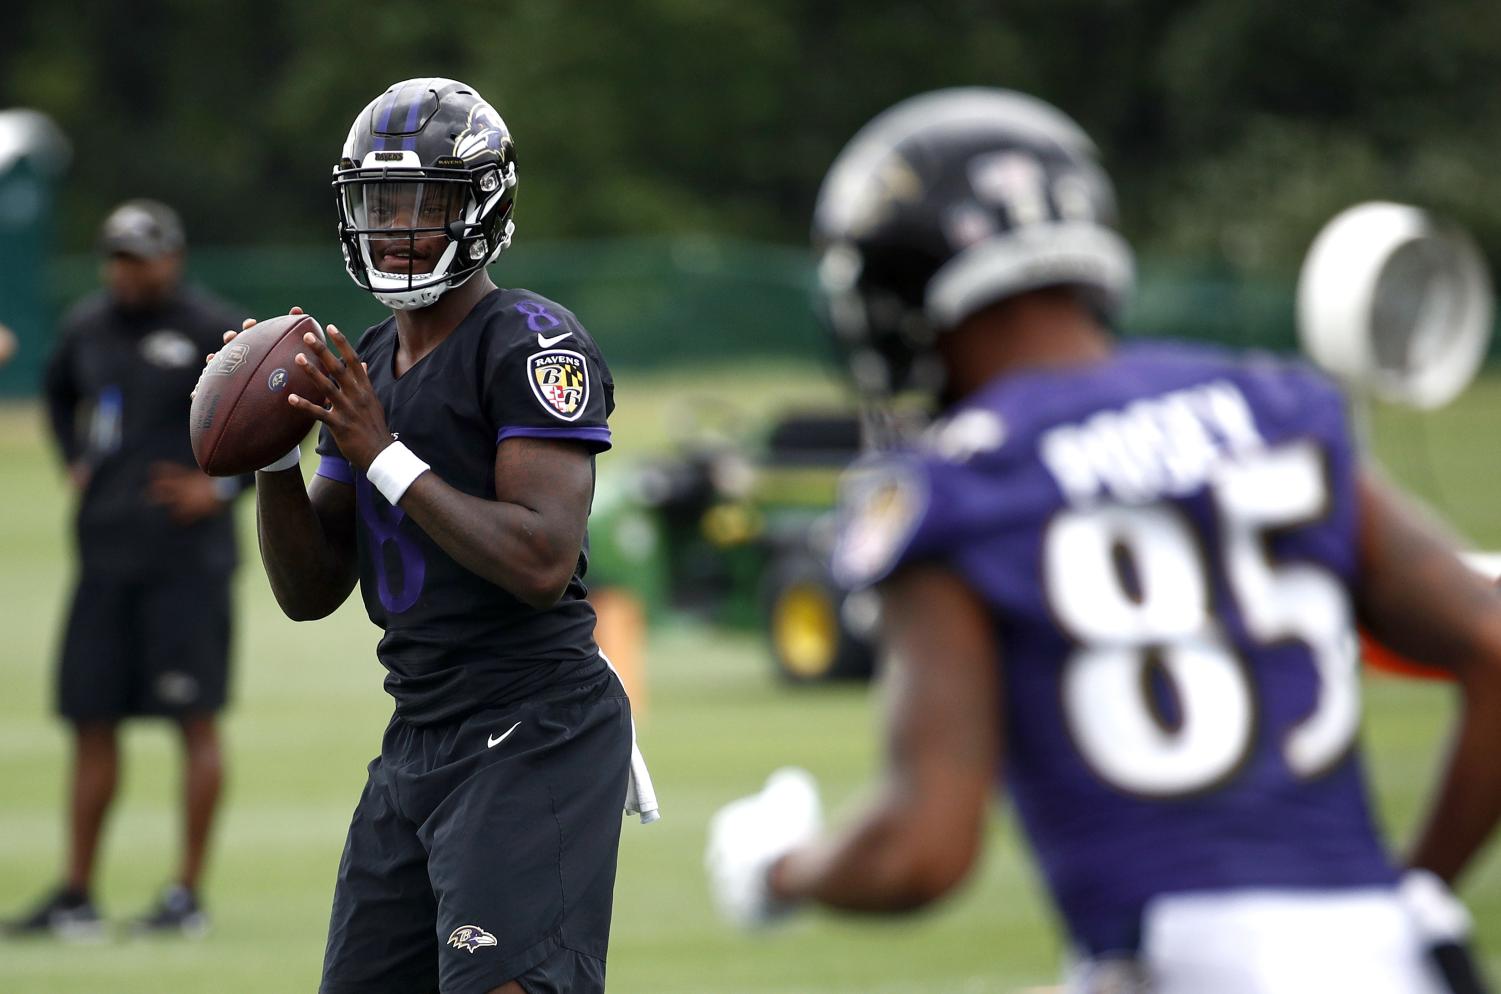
[118,388]
[518,366]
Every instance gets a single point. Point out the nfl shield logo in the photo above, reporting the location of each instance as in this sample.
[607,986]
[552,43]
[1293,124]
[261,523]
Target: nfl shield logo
[229,359]
[560,381]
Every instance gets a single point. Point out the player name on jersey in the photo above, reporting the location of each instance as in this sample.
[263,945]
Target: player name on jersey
[1158,446]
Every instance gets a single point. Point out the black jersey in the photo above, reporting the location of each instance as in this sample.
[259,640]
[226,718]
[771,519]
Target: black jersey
[118,386]
[518,365]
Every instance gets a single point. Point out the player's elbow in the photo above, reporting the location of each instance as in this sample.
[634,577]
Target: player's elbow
[540,599]
[305,610]
[543,587]
[916,886]
[923,867]
[932,876]
[549,568]
[304,615]
[308,596]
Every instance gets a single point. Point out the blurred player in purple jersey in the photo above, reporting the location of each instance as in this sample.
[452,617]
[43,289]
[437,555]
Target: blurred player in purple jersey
[1125,580]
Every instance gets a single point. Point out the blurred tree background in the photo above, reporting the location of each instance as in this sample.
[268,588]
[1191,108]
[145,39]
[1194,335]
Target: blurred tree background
[1234,128]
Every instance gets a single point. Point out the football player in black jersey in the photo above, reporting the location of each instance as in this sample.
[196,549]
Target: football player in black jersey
[455,483]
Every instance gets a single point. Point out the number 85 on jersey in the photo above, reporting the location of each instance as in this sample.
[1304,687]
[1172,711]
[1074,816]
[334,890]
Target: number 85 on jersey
[1131,587]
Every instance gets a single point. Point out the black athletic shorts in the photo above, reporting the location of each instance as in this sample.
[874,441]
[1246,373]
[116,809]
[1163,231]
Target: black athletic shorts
[483,851]
[155,646]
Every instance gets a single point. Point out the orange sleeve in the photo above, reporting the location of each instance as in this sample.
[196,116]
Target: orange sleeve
[1378,657]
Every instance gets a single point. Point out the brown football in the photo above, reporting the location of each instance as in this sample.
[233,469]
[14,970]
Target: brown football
[240,419]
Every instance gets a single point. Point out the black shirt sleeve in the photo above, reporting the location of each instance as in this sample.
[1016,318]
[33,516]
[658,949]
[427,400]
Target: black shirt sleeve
[544,376]
[60,386]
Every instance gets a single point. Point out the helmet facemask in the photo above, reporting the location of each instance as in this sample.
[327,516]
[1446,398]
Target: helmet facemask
[409,235]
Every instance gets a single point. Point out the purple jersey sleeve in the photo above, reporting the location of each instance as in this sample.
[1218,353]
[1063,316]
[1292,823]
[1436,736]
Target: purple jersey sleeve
[930,503]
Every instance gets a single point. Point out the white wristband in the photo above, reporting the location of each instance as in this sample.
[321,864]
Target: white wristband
[287,461]
[394,469]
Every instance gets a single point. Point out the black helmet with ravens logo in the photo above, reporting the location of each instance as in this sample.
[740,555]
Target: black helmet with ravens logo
[425,189]
[947,203]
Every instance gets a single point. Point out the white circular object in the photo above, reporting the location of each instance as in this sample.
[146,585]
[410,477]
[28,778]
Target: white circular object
[1394,302]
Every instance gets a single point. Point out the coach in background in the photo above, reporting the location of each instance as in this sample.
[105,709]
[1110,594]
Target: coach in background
[148,633]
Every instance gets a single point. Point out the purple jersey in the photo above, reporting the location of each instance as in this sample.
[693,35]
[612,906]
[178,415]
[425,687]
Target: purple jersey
[1166,541]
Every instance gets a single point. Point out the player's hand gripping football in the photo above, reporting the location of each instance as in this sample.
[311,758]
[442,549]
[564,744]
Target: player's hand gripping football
[353,416]
[229,336]
[747,836]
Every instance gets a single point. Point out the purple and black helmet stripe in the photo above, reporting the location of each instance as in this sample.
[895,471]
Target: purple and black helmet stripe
[402,104]
[414,111]
[383,119]
[397,116]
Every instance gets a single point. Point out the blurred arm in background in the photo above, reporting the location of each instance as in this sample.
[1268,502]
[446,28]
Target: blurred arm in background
[918,837]
[62,397]
[1416,596]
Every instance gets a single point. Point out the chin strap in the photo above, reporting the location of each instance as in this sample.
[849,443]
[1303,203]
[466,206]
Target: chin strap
[411,300]
[503,244]
[415,299]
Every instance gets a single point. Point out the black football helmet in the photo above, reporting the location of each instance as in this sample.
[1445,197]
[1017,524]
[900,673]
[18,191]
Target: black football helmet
[428,157]
[947,203]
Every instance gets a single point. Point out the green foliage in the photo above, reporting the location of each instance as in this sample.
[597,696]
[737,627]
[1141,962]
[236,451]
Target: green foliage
[1235,127]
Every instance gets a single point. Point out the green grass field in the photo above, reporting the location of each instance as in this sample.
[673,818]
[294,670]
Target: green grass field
[308,712]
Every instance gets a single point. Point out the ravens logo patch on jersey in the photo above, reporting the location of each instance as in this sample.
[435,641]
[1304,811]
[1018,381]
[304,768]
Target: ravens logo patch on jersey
[881,507]
[560,381]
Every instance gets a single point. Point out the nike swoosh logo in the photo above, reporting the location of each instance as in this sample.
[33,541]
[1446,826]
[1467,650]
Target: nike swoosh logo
[548,343]
[496,740]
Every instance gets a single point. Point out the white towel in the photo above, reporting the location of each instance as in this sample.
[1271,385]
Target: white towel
[640,796]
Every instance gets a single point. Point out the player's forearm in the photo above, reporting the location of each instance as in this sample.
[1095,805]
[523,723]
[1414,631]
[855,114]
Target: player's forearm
[310,575]
[1415,596]
[883,862]
[1468,804]
[519,549]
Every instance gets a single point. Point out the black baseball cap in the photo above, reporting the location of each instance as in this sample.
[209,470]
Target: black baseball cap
[143,228]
